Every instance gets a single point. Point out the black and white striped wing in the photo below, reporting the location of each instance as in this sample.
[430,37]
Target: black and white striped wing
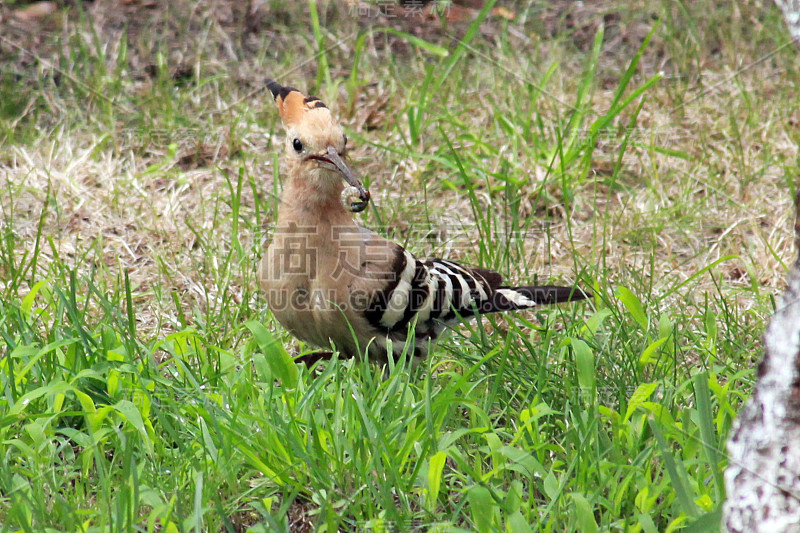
[436,293]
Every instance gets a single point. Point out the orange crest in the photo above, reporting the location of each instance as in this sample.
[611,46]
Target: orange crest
[292,104]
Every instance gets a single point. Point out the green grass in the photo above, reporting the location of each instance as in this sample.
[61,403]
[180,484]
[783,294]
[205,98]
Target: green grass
[645,151]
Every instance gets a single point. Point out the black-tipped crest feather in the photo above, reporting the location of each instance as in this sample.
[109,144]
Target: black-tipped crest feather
[277,89]
[311,102]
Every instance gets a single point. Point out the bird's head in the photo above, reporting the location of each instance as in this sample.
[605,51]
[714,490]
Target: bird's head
[316,144]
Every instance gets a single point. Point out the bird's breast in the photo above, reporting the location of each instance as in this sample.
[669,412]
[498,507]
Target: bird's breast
[307,279]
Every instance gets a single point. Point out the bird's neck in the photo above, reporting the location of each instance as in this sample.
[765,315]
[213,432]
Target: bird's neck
[313,202]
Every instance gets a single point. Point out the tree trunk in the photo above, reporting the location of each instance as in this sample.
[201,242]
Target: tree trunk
[791,14]
[763,475]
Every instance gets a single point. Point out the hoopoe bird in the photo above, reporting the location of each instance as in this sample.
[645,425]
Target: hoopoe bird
[335,284]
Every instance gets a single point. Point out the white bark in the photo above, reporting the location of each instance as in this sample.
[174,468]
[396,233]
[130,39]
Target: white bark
[791,14]
[763,477]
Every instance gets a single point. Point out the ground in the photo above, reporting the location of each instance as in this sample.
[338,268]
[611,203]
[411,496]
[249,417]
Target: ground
[647,151]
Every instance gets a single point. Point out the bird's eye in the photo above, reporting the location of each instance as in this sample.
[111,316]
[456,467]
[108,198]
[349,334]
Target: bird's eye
[297,145]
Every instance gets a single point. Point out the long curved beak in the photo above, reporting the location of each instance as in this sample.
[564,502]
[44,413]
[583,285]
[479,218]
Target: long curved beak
[333,158]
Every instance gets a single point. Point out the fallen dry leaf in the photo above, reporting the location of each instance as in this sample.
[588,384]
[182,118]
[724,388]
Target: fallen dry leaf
[35,11]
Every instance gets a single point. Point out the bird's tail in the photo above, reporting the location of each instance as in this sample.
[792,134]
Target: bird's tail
[514,298]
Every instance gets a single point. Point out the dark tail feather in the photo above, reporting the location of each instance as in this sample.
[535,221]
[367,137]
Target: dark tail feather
[553,294]
[514,298]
